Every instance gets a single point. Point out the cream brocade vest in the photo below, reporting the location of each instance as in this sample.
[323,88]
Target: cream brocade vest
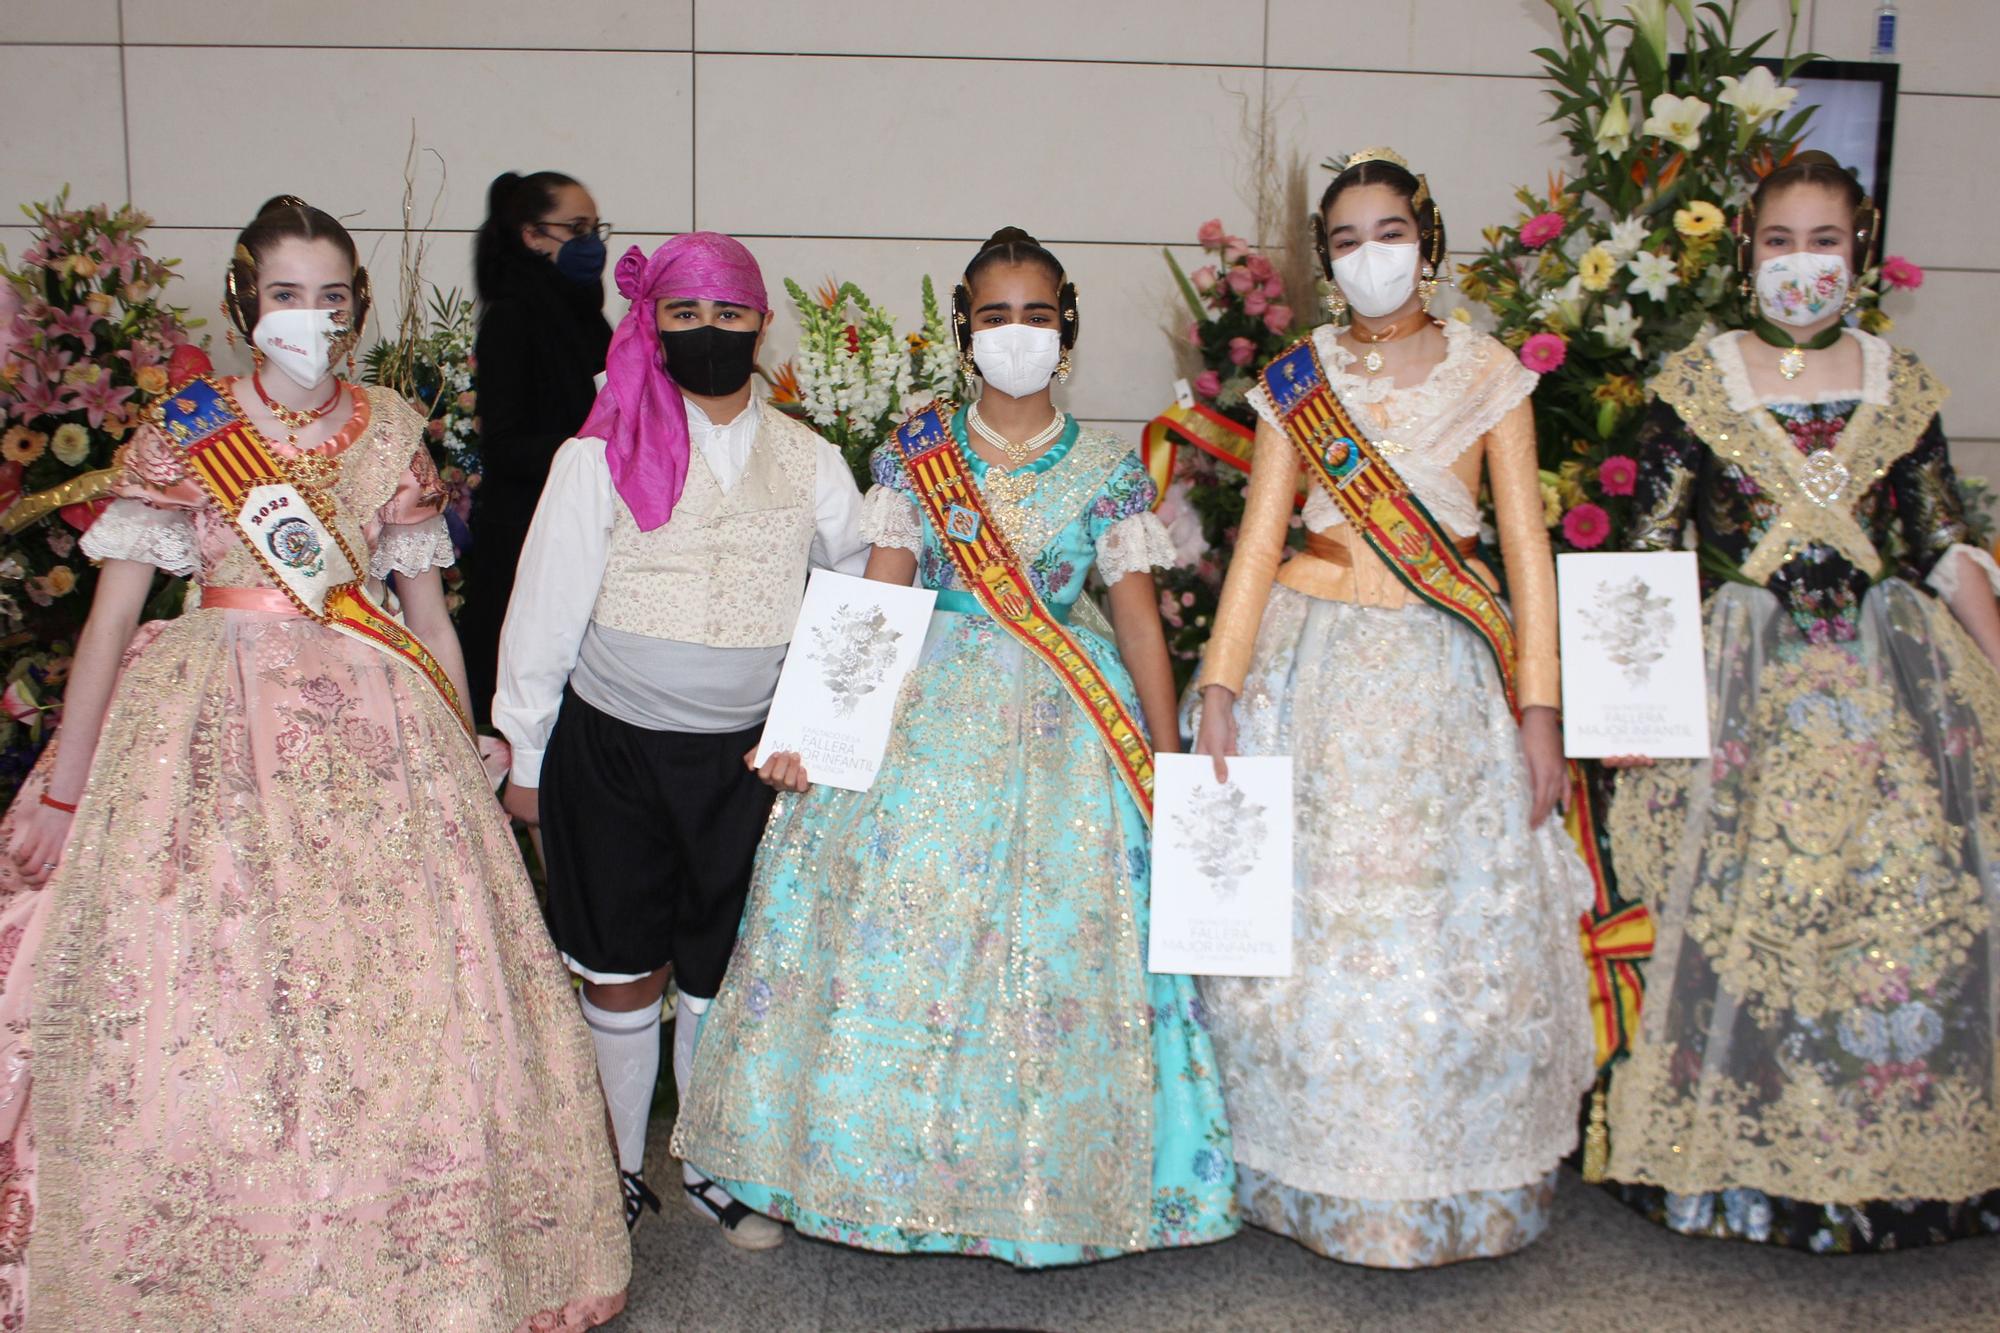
[728,570]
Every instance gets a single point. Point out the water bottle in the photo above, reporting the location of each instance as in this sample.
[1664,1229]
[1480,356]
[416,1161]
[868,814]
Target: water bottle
[1885,31]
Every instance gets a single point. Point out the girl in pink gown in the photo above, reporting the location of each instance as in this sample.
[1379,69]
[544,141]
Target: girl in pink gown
[283,1042]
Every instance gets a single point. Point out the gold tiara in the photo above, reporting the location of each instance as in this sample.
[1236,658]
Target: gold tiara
[1339,164]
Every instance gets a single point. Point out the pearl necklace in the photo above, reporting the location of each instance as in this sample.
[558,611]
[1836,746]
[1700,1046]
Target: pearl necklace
[1017,455]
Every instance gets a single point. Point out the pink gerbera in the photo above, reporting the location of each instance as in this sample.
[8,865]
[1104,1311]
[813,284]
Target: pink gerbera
[1539,230]
[1901,274]
[1617,474]
[1544,352]
[1586,526]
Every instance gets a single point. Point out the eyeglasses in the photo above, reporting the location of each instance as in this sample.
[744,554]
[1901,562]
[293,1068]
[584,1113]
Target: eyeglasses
[574,230]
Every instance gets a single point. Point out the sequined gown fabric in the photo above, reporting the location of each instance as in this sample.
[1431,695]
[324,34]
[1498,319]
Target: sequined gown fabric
[1815,1061]
[937,1032]
[286,1044]
[1403,1099]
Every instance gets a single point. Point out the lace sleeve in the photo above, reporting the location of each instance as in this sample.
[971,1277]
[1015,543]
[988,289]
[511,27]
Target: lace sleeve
[890,518]
[131,529]
[1133,545]
[412,548]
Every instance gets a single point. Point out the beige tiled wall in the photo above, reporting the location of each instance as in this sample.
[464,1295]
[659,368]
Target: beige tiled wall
[878,140]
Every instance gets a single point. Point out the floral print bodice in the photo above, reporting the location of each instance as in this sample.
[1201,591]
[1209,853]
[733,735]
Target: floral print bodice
[1910,511]
[1086,485]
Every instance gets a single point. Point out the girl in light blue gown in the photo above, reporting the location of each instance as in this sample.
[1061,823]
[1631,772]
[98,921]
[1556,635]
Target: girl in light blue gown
[937,1033]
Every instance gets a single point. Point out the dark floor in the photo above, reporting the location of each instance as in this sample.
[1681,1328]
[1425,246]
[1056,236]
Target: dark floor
[1599,1268]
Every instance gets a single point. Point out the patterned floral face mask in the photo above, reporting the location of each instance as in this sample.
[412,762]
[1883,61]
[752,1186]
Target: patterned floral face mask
[1799,288]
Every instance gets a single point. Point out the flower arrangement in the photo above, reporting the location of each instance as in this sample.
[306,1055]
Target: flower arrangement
[86,344]
[430,362]
[1605,274]
[854,379]
[1240,317]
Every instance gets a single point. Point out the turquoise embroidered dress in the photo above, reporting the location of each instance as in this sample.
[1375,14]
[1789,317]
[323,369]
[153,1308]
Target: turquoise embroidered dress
[937,1033]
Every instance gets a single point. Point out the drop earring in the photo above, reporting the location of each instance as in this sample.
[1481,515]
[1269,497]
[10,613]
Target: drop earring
[1336,303]
[1427,286]
[1062,369]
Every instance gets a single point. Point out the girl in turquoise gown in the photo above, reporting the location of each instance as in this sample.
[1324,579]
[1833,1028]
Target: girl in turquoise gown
[937,1033]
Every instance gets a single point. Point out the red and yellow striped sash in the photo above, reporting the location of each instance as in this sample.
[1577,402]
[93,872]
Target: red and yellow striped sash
[988,569]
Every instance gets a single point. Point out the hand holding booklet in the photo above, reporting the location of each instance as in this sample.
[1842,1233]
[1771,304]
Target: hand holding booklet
[855,642]
[1222,867]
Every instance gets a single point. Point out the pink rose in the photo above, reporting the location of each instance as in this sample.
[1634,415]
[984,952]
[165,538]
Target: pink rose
[1234,249]
[1586,526]
[1274,287]
[1194,333]
[1210,234]
[1255,304]
[1539,230]
[1208,383]
[1544,352]
[1278,319]
[1616,474]
[1203,278]
[1901,274]
[1241,351]
[1240,280]
[1260,268]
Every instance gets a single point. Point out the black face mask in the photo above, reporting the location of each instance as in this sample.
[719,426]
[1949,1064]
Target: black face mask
[710,362]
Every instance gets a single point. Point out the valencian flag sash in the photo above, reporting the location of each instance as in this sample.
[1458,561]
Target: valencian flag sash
[1200,426]
[1383,509]
[287,529]
[989,570]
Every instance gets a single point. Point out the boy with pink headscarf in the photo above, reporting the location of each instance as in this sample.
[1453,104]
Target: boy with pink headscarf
[655,599]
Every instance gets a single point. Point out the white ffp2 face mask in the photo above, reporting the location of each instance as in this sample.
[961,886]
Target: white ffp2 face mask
[1377,278]
[1801,288]
[298,342]
[1017,359]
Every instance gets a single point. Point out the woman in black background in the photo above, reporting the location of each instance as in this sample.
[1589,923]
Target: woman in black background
[538,263]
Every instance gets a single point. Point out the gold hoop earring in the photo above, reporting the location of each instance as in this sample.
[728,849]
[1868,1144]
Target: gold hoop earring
[1062,369]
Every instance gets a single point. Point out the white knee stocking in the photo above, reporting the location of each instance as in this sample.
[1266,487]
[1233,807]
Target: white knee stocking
[628,1061]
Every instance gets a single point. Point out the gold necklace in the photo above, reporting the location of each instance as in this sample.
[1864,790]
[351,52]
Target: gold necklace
[297,418]
[1017,455]
[1009,489]
[1374,358]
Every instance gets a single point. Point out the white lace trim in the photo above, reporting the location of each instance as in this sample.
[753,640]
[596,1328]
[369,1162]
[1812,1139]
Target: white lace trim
[1727,350]
[1426,426]
[1949,569]
[134,530]
[890,518]
[412,548]
[1132,545]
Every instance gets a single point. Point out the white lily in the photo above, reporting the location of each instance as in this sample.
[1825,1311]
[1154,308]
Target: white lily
[1678,120]
[1562,308]
[1757,97]
[1649,22]
[1620,327]
[1626,238]
[1614,128]
[1652,274]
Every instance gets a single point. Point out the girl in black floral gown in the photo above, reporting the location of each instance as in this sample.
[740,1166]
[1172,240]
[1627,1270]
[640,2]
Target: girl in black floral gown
[1815,1062]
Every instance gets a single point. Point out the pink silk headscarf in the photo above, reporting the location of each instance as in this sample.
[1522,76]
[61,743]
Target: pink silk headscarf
[638,413]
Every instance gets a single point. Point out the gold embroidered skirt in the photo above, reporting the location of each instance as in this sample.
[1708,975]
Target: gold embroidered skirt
[1820,1009]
